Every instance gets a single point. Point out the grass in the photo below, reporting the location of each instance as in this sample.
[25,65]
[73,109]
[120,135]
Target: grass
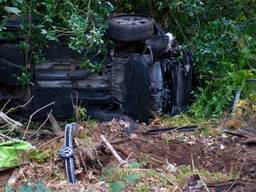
[144,180]
[176,121]
[207,127]
[185,171]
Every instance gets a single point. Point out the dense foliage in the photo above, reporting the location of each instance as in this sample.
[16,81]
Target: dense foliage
[219,32]
[80,24]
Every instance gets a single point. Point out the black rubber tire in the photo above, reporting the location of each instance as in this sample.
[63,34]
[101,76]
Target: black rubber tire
[137,80]
[131,27]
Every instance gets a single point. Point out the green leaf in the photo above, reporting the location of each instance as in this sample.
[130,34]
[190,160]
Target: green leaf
[117,186]
[9,189]
[43,31]
[41,187]
[13,10]
[134,165]
[25,188]
[132,178]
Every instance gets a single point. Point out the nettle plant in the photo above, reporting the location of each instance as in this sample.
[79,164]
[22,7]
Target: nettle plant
[80,24]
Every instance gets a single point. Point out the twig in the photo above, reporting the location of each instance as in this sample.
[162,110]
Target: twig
[50,141]
[230,187]
[97,158]
[193,164]
[32,115]
[155,160]
[224,183]
[162,175]
[48,116]
[80,154]
[113,151]
[9,120]
[6,104]
[5,136]
[205,186]
[20,106]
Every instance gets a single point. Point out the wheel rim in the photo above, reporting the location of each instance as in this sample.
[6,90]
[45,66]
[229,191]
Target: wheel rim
[131,20]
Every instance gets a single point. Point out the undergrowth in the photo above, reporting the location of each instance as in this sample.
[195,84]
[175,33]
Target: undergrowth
[143,180]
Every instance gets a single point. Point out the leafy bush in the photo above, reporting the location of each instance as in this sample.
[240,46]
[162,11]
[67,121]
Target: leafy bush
[224,55]
[81,24]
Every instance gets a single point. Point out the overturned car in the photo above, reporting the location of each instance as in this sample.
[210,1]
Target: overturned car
[141,75]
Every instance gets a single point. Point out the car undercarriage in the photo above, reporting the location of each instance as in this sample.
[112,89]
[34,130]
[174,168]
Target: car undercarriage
[142,75]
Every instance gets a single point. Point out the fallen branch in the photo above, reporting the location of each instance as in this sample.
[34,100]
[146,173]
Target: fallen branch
[90,151]
[113,151]
[9,120]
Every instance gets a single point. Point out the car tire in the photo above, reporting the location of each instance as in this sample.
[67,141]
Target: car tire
[137,81]
[131,27]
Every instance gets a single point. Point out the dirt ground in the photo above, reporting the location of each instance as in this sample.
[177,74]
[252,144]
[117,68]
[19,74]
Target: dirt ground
[223,154]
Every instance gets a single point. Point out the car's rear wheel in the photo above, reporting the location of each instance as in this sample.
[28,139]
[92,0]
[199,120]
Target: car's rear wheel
[131,27]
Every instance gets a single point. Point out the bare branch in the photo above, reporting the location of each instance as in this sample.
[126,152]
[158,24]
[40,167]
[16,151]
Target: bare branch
[6,104]
[20,106]
[32,115]
[5,136]
[47,118]
[113,151]
[9,120]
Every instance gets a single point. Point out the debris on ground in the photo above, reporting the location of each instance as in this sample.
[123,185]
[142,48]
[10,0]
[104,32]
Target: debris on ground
[166,161]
